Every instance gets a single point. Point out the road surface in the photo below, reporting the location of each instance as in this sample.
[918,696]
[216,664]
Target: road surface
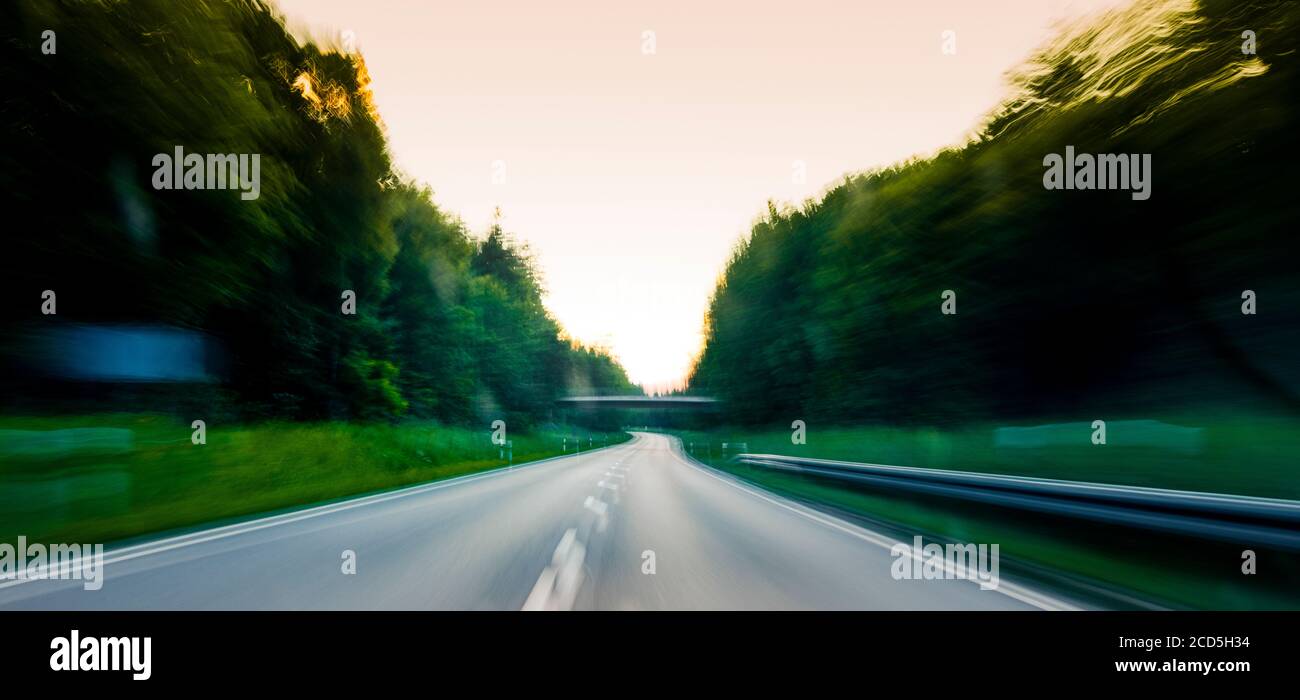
[569,533]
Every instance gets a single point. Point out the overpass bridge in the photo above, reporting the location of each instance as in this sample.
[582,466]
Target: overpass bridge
[680,403]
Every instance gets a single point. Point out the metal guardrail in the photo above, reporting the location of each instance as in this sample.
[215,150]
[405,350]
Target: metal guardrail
[1247,520]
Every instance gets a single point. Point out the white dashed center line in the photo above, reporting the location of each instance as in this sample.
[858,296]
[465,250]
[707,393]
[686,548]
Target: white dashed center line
[558,585]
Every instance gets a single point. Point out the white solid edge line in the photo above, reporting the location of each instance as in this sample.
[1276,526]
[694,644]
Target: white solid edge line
[1024,595]
[169,543]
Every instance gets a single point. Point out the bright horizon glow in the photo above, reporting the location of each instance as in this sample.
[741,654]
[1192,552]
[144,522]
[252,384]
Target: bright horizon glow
[633,176]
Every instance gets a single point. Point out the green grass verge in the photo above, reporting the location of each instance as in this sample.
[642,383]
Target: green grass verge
[1256,456]
[104,478]
[1250,457]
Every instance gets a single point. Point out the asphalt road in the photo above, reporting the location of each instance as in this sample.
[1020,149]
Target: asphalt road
[568,533]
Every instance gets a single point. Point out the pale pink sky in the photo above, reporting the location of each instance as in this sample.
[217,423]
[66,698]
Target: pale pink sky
[632,175]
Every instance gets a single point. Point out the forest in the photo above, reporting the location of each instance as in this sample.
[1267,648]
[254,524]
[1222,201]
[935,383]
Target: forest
[960,288]
[448,325]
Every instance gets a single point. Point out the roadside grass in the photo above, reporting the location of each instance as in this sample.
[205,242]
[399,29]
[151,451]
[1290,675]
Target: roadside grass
[1242,456]
[1254,456]
[109,477]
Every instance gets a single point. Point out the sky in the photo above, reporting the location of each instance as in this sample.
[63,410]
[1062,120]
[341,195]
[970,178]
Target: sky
[632,144]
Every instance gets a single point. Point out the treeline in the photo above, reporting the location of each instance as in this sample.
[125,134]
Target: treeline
[1067,302]
[446,326]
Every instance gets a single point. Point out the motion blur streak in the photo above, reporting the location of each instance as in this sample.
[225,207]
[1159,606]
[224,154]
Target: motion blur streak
[1063,301]
[178,358]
